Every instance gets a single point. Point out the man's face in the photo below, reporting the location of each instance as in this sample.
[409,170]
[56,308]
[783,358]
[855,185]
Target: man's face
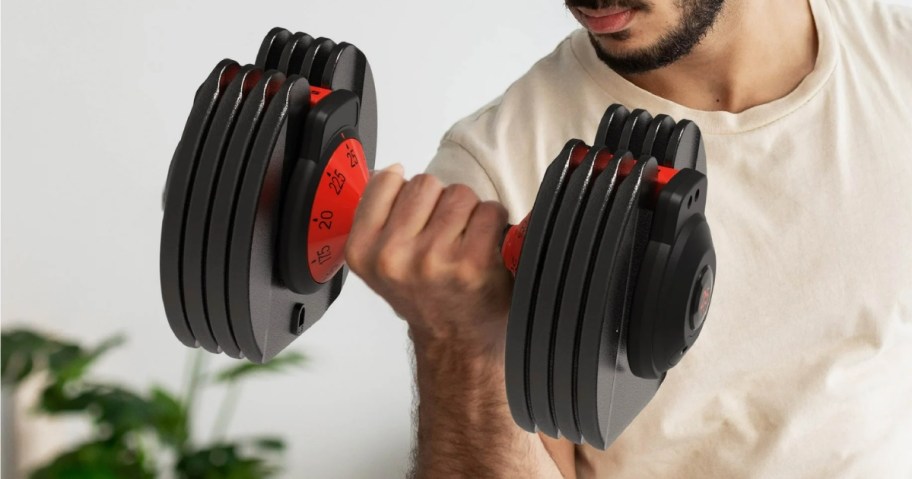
[636,36]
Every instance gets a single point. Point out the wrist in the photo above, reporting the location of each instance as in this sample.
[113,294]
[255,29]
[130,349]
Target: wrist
[484,344]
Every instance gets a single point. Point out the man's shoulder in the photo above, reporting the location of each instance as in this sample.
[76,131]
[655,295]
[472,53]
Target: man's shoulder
[537,101]
[878,20]
[875,38]
[513,138]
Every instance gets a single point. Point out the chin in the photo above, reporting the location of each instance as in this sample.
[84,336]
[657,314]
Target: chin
[624,42]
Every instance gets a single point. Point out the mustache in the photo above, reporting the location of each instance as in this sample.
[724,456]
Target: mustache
[599,4]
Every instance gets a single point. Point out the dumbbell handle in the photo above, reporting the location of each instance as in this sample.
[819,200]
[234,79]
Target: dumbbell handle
[338,195]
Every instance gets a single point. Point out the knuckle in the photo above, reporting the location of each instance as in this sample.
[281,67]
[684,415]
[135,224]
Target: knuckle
[385,180]
[430,268]
[466,275]
[460,196]
[389,263]
[425,181]
[491,213]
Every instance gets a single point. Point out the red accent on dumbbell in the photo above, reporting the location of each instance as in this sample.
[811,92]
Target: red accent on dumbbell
[342,183]
[317,94]
[516,234]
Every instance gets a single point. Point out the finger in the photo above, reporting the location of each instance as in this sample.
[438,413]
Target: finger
[395,168]
[414,206]
[454,208]
[377,201]
[485,228]
[453,211]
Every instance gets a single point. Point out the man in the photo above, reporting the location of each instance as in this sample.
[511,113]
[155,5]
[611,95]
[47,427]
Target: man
[804,368]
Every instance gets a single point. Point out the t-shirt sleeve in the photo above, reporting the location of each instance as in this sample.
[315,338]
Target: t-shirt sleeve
[454,164]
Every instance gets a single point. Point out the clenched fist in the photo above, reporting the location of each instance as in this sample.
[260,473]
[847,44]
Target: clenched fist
[432,252]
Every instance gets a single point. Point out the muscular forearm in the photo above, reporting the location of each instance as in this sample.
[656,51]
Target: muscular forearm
[464,424]
[433,253]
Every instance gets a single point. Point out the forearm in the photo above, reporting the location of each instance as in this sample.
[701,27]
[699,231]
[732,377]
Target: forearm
[464,424]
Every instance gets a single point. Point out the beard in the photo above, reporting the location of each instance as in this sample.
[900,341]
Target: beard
[697,18]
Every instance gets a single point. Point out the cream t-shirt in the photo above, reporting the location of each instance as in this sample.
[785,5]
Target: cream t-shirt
[804,368]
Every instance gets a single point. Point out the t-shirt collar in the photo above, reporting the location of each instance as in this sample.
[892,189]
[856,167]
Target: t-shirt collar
[718,122]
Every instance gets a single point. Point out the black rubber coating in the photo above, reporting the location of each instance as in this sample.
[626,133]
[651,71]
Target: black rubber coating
[635,132]
[579,273]
[270,52]
[223,207]
[260,189]
[610,128]
[668,292]
[519,326]
[347,68]
[177,189]
[685,148]
[607,306]
[199,204]
[264,313]
[316,59]
[658,134]
[337,113]
[547,301]
[292,59]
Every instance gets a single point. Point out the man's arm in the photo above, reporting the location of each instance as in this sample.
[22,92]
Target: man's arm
[464,424]
[432,253]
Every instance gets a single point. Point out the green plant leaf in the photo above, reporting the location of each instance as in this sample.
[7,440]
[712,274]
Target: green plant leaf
[55,399]
[96,460]
[281,363]
[20,349]
[115,410]
[23,350]
[269,444]
[71,362]
[169,418]
[223,461]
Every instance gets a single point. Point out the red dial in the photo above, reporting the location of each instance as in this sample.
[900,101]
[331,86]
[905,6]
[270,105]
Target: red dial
[341,184]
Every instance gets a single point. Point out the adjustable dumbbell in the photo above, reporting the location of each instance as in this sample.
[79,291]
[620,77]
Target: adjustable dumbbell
[269,170]
[595,221]
[220,208]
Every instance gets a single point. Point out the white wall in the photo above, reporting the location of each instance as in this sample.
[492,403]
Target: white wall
[95,96]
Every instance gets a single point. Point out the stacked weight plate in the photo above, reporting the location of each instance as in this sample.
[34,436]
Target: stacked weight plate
[566,354]
[225,191]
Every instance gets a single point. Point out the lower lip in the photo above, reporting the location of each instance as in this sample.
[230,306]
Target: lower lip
[613,23]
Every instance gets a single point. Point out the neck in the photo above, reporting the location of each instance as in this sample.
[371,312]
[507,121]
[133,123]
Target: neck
[752,55]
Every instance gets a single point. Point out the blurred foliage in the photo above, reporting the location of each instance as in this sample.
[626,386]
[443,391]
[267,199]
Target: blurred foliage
[137,434]
[282,363]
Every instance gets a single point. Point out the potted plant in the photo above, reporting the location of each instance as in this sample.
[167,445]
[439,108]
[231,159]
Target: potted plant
[137,434]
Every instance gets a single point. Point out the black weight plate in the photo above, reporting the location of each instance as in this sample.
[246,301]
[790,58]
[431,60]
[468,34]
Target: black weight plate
[223,207]
[611,126]
[546,302]
[519,325]
[685,148]
[316,59]
[657,136]
[264,313]
[292,59]
[195,231]
[604,408]
[348,69]
[579,273]
[270,52]
[634,132]
[177,189]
